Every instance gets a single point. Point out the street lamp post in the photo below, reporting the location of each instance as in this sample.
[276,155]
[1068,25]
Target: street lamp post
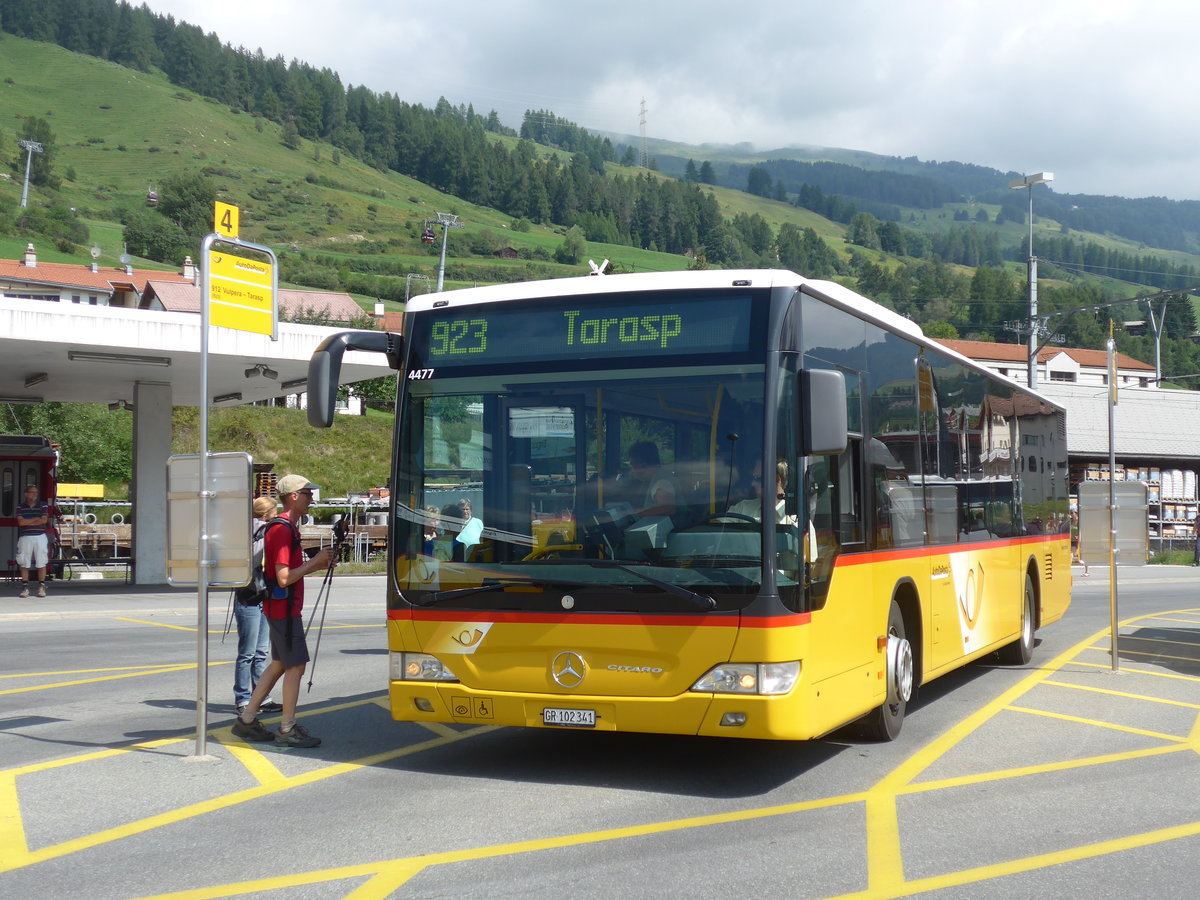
[1028,181]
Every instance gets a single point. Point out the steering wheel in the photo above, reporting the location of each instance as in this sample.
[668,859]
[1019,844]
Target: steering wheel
[731,515]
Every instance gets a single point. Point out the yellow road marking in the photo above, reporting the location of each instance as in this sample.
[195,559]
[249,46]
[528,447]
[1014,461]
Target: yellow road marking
[156,670]
[161,624]
[1125,670]
[1096,723]
[256,763]
[90,671]
[61,684]
[1039,769]
[90,757]
[1096,690]
[173,816]
[13,846]
[885,863]
[518,847]
[1124,652]
[1028,864]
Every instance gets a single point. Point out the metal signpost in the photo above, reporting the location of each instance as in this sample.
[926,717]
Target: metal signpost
[1112,517]
[240,292]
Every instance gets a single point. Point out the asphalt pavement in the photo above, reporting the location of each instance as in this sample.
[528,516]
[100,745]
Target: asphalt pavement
[1062,778]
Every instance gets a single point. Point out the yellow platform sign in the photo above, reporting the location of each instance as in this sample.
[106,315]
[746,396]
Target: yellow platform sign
[241,293]
[225,219]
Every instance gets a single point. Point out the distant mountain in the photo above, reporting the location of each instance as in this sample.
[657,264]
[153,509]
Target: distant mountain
[927,184]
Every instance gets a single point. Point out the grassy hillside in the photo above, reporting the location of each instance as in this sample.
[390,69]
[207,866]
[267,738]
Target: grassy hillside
[353,455]
[120,133]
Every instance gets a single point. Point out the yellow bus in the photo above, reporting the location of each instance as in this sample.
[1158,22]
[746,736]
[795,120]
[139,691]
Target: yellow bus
[731,503]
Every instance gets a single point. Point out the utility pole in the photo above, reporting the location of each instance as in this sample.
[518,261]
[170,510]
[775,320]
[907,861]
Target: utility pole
[1156,327]
[1028,182]
[642,126]
[447,221]
[30,148]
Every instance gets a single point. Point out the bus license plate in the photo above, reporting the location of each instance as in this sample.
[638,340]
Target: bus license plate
[576,718]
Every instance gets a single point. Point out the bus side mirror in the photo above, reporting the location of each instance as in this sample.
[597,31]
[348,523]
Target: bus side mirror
[823,428]
[325,368]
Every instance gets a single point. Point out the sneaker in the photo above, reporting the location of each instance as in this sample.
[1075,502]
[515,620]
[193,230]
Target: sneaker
[41,590]
[24,592]
[298,737]
[255,733]
[270,705]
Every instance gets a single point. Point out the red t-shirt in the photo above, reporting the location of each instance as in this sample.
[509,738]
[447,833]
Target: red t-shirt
[281,549]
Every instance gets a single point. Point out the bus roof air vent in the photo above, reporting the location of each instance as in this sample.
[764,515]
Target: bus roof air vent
[741,282]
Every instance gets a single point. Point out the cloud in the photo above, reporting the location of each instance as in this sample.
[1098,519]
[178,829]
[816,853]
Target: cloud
[1098,93]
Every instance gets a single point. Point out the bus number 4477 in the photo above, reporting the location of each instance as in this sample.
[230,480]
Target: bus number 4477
[420,374]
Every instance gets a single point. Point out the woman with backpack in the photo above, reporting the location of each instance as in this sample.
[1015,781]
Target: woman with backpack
[254,639]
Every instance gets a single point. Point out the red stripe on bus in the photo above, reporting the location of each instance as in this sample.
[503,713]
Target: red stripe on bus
[542,618]
[871,556]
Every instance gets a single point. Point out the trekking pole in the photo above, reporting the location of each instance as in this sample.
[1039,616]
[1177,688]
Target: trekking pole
[339,538]
[228,618]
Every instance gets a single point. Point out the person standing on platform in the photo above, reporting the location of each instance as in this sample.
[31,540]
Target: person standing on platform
[285,568]
[33,520]
[254,638]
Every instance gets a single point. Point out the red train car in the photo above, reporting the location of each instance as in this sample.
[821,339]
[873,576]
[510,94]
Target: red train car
[24,460]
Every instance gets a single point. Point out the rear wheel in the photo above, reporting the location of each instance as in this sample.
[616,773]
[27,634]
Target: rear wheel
[884,723]
[1020,651]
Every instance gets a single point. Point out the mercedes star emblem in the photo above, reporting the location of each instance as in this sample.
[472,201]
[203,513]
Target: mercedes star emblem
[568,669]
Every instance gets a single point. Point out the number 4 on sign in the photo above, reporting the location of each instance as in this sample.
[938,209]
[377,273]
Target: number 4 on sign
[225,219]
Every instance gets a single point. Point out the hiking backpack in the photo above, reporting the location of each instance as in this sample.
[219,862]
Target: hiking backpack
[259,587]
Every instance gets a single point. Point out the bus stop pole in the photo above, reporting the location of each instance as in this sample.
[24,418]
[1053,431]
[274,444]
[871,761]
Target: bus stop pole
[204,497]
[1112,510]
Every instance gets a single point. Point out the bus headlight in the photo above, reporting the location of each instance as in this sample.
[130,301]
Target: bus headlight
[419,667]
[750,678]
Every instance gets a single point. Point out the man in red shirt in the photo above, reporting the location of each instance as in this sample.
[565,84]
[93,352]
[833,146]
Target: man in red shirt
[285,568]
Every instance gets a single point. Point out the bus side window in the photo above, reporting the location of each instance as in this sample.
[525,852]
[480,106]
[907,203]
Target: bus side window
[849,494]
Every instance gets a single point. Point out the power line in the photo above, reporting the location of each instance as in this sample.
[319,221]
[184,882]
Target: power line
[1086,268]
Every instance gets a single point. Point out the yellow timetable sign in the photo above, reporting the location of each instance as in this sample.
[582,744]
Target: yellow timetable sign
[240,293]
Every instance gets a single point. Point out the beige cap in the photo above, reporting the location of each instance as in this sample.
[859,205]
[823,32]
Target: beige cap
[291,484]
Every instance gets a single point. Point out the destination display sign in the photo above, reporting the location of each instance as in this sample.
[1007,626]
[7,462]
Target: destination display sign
[578,328]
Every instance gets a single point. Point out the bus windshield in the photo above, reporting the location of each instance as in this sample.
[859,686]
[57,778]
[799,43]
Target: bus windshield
[540,471]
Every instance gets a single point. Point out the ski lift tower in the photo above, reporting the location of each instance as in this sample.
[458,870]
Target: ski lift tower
[447,221]
[30,148]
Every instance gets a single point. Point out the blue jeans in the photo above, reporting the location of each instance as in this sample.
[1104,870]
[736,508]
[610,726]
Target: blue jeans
[254,644]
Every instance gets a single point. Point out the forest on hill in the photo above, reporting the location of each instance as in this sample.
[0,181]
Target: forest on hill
[957,272]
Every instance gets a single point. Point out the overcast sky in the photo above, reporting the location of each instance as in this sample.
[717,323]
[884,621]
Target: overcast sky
[1104,94]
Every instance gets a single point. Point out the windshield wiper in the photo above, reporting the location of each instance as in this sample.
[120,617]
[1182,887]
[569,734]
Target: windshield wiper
[699,601]
[454,594]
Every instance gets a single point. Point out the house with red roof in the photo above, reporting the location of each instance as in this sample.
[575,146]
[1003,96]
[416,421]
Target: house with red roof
[125,287]
[1063,365]
[94,285]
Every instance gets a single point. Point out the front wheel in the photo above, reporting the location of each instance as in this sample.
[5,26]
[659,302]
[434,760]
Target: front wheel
[884,723]
[1020,651]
